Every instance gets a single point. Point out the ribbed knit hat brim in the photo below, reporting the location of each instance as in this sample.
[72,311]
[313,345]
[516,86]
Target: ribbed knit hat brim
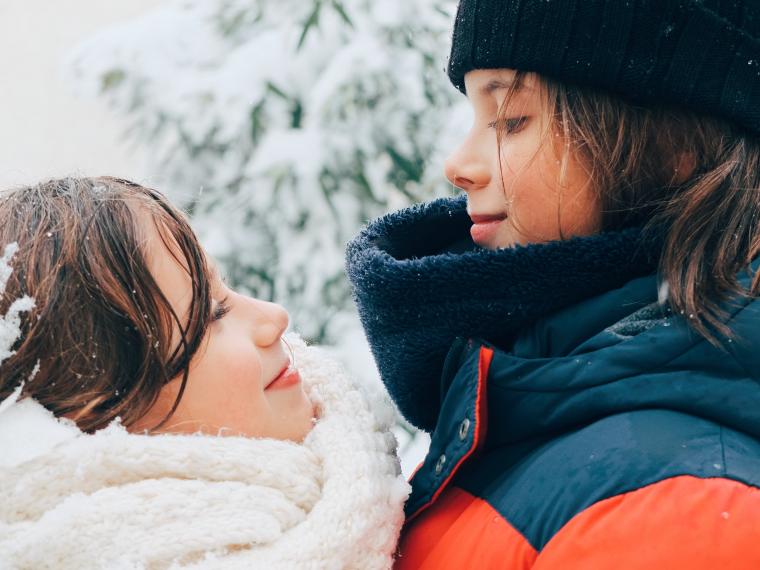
[703,55]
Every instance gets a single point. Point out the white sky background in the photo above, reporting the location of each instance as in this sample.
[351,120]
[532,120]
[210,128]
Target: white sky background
[45,131]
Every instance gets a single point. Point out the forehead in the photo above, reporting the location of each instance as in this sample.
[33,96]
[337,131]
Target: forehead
[485,83]
[166,261]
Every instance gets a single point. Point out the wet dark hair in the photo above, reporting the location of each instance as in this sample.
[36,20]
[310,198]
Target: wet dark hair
[101,333]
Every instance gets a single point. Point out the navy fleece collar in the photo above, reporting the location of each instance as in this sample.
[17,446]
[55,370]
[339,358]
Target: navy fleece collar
[419,283]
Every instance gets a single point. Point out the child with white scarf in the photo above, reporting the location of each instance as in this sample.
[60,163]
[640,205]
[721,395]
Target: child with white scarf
[151,417]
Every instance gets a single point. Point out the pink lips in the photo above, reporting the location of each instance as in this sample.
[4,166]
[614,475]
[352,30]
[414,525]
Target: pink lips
[484,227]
[288,378]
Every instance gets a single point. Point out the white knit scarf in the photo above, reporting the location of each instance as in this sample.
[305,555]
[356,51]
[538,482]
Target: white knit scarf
[115,500]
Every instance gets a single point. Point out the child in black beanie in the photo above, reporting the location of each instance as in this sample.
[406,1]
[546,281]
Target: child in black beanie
[581,335]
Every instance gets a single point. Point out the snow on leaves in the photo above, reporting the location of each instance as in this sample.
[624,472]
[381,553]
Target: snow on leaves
[282,126]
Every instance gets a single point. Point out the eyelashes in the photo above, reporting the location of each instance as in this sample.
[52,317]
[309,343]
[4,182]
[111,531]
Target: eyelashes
[510,126]
[220,310]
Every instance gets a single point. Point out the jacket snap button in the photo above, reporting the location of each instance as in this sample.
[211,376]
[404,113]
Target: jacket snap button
[464,427]
[439,464]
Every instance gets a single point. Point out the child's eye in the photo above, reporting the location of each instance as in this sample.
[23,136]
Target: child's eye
[510,125]
[221,309]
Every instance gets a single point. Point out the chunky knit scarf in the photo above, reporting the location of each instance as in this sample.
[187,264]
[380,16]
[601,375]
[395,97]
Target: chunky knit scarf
[116,500]
[419,283]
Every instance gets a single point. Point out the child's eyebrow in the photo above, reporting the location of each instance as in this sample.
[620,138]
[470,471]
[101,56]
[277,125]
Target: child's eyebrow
[498,84]
[215,272]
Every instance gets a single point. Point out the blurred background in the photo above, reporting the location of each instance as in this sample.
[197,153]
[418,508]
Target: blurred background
[280,126]
[46,130]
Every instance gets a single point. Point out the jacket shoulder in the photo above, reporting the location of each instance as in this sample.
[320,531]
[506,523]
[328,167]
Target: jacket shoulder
[620,454]
[592,498]
[681,522]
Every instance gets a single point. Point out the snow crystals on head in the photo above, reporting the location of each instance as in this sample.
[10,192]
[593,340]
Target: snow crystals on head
[10,323]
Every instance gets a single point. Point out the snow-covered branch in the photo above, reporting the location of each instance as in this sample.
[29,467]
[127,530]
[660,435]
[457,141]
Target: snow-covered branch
[283,126]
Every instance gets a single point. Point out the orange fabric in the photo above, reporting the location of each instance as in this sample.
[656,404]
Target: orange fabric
[683,523]
[481,404]
[460,531]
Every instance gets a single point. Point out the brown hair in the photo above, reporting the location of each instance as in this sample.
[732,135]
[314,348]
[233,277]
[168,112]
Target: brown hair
[708,218]
[101,330]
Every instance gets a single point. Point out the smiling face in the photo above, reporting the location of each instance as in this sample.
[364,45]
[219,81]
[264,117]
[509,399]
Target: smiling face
[519,191]
[241,380]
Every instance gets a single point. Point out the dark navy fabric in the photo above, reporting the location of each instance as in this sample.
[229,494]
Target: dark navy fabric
[582,408]
[419,282]
[599,397]
[540,491]
[450,441]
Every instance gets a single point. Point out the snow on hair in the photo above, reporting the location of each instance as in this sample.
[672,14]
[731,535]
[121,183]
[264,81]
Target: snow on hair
[10,323]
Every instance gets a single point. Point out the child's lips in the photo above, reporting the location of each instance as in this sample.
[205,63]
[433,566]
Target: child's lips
[287,378]
[484,227]
[487,218]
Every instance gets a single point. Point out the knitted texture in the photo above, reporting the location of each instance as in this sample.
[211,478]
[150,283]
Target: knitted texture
[700,54]
[415,294]
[117,500]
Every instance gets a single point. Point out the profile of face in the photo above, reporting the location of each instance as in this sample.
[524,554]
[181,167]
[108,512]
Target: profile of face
[241,380]
[517,192]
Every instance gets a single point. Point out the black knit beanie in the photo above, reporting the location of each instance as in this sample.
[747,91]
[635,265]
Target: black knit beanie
[700,54]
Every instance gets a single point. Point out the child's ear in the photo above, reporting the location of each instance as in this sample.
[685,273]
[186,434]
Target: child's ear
[685,164]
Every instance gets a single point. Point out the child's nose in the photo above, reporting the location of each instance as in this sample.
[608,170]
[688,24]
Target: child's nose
[270,323]
[466,168]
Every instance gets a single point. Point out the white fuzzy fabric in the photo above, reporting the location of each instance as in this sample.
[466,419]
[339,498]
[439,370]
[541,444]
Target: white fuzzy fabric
[116,500]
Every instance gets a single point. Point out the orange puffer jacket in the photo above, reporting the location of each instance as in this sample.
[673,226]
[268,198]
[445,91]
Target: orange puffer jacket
[637,449]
